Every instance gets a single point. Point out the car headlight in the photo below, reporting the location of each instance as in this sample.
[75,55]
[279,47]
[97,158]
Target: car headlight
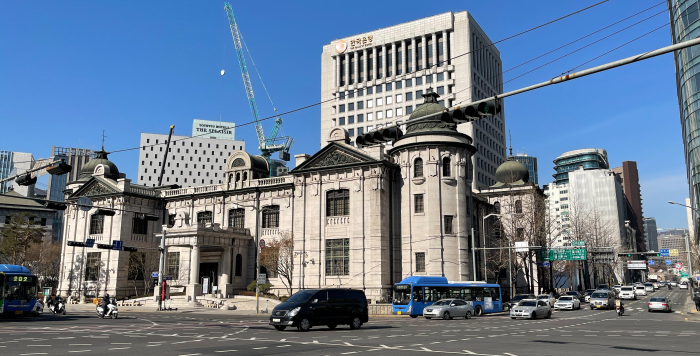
[294,311]
[410,307]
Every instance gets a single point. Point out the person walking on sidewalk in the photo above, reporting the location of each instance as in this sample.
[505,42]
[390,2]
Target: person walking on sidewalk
[696,299]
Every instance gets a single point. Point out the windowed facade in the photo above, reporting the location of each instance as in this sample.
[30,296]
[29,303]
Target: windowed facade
[93,263]
[271,216]
[174,264]
[337,257]
[446,167]
[518,207]
[418,168]
[448,224]
[236,218]
[338,202]
[97,223]
[204,217]
[139,226]
[420,261]
[418,205]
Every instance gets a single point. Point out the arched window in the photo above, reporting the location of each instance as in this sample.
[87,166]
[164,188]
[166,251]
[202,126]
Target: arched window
[446,168]
[418,168]
[497,207]
[245,175]
[518,207]
[97,223]
[238,177]
[338,202]
[239,265]
[271,216]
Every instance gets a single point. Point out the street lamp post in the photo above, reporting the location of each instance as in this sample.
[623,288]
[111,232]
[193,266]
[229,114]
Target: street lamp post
[687,244]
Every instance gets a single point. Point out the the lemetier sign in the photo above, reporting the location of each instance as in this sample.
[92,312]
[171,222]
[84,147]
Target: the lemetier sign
[214,129]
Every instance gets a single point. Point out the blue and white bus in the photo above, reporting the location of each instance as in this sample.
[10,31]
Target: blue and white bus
[19,290]
[415,293]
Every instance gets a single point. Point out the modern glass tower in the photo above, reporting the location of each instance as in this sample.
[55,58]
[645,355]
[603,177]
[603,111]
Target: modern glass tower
[531,163]
[588,158]
[650,234]
[685,26]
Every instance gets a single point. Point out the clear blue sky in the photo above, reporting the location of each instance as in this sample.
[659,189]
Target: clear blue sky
[70,69]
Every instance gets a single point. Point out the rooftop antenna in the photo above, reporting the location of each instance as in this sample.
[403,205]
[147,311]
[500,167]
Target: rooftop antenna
[221,107]
[103,140]
[510,138]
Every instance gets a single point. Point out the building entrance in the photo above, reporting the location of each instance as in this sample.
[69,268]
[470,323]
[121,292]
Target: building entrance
[211,270]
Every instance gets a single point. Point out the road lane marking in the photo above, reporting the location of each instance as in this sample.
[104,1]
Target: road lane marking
[119,348]
[80,351]
[226,351]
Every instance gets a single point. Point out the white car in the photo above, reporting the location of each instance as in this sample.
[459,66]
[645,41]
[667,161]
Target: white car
[627,293]
[683,286]
[549,298]
[656,285]
[640,290]
[649,287]
[567,302]
[673,284]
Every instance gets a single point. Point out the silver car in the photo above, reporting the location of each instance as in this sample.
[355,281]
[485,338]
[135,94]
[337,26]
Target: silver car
[660,303]
[448,309]
[531,309]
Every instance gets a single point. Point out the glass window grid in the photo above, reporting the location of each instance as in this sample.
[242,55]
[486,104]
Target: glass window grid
[337,257]
[236,218]
[271,216]
[418,204]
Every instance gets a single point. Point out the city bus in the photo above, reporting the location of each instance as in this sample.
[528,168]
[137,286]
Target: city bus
[18,294]
[414,293]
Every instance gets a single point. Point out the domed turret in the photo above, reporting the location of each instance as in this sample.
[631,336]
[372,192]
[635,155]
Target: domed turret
[430,106]
[511,172]
[100,159]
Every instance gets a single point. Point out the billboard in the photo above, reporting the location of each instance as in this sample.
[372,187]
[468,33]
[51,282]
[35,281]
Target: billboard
[213,129]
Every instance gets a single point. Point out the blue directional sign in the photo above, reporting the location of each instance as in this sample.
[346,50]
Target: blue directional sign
[154,274]
[116,245]
[651,262]
[669,262]
[664,252]
[90,243]
[168,278]
[543,264]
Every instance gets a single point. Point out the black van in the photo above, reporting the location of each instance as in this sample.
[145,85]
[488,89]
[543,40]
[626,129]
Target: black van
[330,307]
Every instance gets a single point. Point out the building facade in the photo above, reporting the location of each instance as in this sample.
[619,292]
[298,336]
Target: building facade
[13,203]
[192,161]
[12,163]
[373,79]
[588,158]
[684,26]
[650,234]
[629,176]
[76,158]
[530,163]
[360,218]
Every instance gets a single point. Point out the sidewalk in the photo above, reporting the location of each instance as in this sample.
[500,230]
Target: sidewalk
[244,306]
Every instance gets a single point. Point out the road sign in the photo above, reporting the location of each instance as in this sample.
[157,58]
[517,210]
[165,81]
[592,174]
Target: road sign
[673,252]
[578,243]
[678,265]
[636,264]
[684,275]
[664,252]
[651,262]
[669,262]
[168,278]
[262,243]
[262,278]
[84,203]
[545,264]
[90,243]
[154,274]
[117,245]
[697,278]
[521,246]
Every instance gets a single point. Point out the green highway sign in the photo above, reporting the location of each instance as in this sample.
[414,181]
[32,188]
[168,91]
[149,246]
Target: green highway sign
[578,243]
[684,275]
[563,254]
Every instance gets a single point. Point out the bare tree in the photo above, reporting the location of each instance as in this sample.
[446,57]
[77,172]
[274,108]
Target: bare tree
[18,236]
[141,264]
[278,258]
[44,260]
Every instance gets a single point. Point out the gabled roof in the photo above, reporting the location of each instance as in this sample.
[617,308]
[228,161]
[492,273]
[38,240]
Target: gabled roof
[96,186]
[335,155]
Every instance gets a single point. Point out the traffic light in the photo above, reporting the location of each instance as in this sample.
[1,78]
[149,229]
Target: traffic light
[105,212]
[55,205]
[75,243]
[391,133]
[25,180]
[147,217]
[472,112]
[104,246]
[129,249]
[60,169]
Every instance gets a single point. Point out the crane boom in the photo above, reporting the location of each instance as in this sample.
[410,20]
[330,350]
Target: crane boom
[246,77]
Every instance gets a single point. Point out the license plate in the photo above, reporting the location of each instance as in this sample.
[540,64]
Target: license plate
[18,312]
[275,320]
[399,312]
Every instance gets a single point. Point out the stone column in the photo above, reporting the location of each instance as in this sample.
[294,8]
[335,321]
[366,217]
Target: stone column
[424,44]
[347,68]
[224,281]
[414,55]
[404,49]
[435,49]
[394,60]
[374,63]
[445,48]
[356,55]
[337,70]
[383,61]
[194,288]
[364,64]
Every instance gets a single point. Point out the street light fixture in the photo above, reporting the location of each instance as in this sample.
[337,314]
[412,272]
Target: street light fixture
[687,243]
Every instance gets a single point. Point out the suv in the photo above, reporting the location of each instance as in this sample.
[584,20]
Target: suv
[602,299]
[603,287]
[649,287]
[627,292]
[330,307]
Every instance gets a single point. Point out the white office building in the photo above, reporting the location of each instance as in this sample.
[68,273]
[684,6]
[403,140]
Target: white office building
[192,161]
[371,80]
[12,163]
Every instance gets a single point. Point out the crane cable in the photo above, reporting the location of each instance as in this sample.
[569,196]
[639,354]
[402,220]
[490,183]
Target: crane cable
[256,70]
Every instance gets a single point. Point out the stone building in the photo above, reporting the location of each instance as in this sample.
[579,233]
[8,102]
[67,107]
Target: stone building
[359,217]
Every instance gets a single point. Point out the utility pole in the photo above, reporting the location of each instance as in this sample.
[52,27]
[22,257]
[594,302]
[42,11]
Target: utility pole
[161,268]
[473,256]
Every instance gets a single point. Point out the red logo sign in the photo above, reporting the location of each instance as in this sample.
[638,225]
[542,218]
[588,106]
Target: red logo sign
[678,265]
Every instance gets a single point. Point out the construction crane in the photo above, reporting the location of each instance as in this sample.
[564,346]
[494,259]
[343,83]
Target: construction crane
[272,143]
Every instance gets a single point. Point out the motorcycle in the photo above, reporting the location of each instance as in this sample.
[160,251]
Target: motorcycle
[620,311]
[112,311]
[58,307]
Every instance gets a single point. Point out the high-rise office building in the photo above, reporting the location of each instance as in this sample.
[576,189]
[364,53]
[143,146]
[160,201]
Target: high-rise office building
[672,239]
[76,158]
[629,176]
[192,161]
[650,234]
[531,163]
[684,26]
[12,163]
[371,80]
[588,158]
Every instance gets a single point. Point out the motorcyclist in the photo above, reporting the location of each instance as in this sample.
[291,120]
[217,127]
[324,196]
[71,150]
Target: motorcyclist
[105,303]
[619,305]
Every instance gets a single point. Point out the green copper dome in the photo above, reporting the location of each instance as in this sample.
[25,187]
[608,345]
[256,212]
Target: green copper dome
[430,106]
[100,158]
[512,172]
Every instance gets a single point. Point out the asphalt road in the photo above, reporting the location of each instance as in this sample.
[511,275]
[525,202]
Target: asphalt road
[580,332]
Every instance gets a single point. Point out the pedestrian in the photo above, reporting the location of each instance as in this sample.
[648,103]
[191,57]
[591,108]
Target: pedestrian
[696,299]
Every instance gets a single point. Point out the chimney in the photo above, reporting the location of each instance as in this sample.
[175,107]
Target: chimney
[301,158]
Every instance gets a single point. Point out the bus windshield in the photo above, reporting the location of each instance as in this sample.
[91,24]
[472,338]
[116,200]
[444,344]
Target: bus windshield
[402,294]
[20,287]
